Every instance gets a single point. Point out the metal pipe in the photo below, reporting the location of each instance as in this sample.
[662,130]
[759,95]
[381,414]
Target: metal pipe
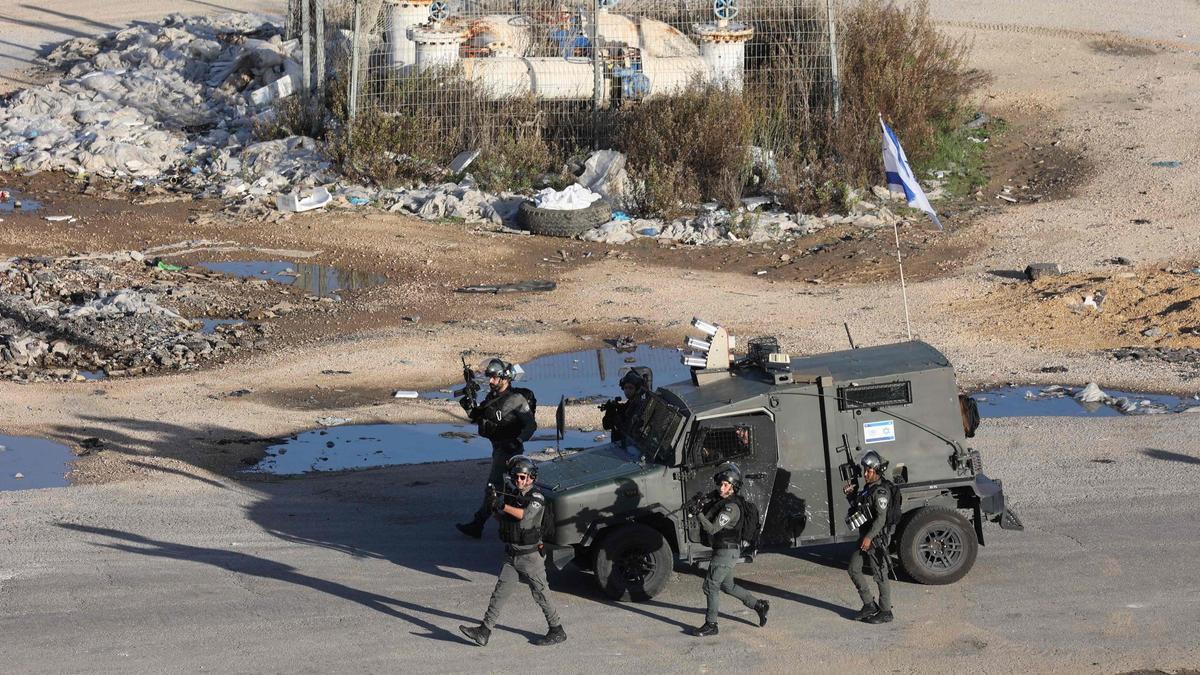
[831,21]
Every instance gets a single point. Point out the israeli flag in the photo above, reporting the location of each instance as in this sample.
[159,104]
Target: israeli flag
[900,176]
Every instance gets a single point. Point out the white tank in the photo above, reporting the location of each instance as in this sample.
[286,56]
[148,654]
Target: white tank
[723,48]
[402,15]
[436,45]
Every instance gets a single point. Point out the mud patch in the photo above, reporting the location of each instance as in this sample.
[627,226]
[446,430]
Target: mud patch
[1115,46]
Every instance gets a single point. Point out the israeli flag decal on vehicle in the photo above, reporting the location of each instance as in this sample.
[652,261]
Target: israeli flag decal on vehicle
[879,432]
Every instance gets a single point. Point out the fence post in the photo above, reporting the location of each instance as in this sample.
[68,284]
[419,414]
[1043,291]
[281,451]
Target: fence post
[597,72]
[831,21]
[319,29]
[352,97]
[305,55]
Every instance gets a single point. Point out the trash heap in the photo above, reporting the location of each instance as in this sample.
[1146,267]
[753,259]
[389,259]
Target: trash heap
[76,318]
[173,107]
[171,104]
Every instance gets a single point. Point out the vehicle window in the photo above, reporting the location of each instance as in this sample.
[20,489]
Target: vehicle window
[655,429]
[718,444]
[874,395]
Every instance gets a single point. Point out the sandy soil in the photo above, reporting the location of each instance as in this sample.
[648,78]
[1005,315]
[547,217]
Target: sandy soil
[1088,112]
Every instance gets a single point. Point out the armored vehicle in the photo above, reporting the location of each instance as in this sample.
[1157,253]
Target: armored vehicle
[796,427]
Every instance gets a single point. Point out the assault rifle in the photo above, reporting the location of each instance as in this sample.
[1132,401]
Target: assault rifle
[470,388]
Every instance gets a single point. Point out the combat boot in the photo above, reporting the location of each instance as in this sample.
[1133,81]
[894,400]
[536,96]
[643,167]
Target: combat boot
[882,616]
[477,634]
[762,607]
[472,529]
[867,610]
[555,635]
[709,628]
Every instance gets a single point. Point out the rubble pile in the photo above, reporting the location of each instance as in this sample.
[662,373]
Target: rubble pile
[61,316]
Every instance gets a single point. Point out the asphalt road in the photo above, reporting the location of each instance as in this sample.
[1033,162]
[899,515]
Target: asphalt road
[365,573]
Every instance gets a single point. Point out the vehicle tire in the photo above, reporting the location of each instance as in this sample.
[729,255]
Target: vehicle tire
[937,545]
[634,562]
[556,223]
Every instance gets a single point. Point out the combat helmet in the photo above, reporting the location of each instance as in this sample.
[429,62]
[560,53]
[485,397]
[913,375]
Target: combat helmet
[521,464]
[729,471]
[873,460]
[498,368]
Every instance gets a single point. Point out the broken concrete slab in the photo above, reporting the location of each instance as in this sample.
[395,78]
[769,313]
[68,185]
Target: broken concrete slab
[1035,271]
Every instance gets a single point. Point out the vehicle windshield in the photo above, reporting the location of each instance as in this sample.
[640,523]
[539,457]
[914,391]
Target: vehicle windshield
[654,430]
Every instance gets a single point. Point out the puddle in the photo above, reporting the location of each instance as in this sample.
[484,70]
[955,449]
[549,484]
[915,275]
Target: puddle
[41,463]
[365,446]
[318,280]
[589,374]
[9,204]
[1057,401]
[91,375]
[209,326]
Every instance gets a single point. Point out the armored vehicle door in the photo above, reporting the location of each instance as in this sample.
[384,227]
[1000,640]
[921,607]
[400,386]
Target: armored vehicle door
[749,440]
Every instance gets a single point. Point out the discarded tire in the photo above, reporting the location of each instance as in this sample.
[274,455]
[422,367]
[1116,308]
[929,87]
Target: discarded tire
[556,223]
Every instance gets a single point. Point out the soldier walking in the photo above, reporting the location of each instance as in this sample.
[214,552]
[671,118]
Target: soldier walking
[869,508]
[722,521]
[506,418]
[520,511]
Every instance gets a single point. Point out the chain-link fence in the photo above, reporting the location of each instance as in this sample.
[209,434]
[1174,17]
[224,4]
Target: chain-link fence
[532,83]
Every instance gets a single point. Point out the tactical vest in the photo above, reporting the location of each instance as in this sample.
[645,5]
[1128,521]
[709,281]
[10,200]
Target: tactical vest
[864,502]
[499,417]
[729,536]
[511,531]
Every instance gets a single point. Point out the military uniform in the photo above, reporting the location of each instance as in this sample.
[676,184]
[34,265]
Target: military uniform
[506,419]
[873,498]
[722,523]
[620,420]
[523,561]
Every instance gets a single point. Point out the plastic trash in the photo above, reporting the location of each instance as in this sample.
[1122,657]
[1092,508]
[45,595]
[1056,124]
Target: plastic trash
[59,219]
[649,231]
[463,160]
[570,198]
[292,202]
[358,201]
[620,216]
[167,267]
[405,393]
[1167,164]
[1091,394]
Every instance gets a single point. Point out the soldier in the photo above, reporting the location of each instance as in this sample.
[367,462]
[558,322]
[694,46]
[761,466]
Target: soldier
[505,417]
[871,506]
[722,521]
[520,511]
[619,416]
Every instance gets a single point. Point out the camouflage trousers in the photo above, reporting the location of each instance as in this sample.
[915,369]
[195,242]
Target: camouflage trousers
[858,560]
[526,568]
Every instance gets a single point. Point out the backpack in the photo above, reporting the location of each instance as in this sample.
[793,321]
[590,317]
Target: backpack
[750,525]
[895,499]
[529,396]
[548,519]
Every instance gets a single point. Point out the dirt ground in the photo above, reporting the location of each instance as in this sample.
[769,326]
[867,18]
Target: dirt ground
[1087,112]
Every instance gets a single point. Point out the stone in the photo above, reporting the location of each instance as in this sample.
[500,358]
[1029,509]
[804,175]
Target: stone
[1035,271]
[1152,332]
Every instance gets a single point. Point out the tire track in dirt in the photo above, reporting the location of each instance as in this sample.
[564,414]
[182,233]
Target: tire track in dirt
[1070,34]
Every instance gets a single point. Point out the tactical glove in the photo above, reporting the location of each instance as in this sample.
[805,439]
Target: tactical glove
[495,499]
[467,403]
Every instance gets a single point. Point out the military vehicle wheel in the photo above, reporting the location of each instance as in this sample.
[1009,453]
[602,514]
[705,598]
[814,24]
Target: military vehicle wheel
[937,546]
[634,563]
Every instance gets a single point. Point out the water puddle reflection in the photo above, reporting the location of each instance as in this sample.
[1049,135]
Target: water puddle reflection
[318,280]
[11,201]
[590,374]
[366,446]
[28,463]
[1059,401]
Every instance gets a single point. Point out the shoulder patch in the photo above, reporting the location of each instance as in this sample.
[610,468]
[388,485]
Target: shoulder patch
[882,499]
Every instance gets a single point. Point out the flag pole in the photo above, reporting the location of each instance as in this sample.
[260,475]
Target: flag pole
[900,264]
[903,288]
